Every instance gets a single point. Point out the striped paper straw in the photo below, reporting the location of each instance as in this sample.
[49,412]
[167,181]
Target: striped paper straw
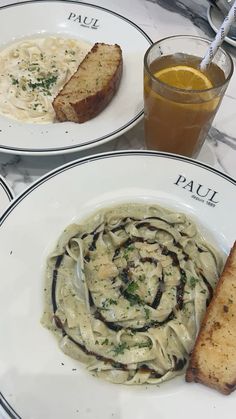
[219,38]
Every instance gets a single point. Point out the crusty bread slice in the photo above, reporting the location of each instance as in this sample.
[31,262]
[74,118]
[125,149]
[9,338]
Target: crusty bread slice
[213,360]
[92,86]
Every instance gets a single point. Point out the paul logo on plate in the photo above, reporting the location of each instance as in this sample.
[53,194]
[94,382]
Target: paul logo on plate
[199,191]
[85,21]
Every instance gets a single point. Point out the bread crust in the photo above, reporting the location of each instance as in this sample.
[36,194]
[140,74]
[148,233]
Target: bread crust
[83,110]
[213,359]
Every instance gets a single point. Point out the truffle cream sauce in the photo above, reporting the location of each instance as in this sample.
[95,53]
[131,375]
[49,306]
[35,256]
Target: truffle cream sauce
[33,71]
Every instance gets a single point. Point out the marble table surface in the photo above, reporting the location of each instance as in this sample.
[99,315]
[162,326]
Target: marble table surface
[158,18]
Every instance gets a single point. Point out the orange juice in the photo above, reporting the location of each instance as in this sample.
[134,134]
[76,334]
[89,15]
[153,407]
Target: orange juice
[180,103]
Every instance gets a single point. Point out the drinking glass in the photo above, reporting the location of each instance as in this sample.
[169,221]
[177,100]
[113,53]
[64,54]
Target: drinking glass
[177,119]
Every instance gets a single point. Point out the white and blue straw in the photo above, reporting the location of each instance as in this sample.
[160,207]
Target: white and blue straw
[219,38]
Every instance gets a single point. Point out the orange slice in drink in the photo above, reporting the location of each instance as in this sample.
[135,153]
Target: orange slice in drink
[184,77]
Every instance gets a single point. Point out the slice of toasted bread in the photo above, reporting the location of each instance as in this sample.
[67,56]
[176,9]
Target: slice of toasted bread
[213,360]
[92,86]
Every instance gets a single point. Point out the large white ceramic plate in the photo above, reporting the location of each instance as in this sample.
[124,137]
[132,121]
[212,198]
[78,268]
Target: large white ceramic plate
[37,379]
[92,24]
[215,18]
[6,195]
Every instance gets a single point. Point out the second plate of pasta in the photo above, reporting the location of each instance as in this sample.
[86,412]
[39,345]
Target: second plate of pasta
[120,268]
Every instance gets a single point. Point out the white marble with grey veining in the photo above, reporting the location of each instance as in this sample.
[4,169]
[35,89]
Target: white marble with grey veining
[158,18]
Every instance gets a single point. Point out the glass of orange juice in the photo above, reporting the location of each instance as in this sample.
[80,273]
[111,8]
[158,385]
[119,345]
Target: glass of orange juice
[180,101]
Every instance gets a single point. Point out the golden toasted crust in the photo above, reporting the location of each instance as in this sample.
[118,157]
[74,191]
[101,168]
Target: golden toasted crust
[213,360]
[92,86]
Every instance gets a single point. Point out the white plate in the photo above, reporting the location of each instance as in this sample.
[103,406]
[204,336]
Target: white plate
[6,195]
[34,381]
[215,18]
[93,24]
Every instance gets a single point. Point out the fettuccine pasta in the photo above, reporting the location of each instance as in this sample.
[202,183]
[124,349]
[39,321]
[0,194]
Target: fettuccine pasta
[126,291]
[33,71]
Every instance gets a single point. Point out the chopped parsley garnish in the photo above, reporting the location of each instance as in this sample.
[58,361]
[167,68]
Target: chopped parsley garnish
[105,342]
[183,279]
[35,105]
[144,344]
[44,83]
[192,282]
[13,80]
[132,287]
[131,247]
[147,313]
[109,301]
[120,349]
[133,299]
[127,250]
[130,295]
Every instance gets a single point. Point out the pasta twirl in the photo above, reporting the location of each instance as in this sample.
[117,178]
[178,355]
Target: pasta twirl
[126,291]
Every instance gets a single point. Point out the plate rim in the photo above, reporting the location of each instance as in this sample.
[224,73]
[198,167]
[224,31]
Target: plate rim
[7,408]
[7,189]
[4,403]
[95,142]
[211,10]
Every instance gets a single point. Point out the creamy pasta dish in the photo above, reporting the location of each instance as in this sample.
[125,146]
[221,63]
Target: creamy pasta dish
[126,291]
[33,71]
